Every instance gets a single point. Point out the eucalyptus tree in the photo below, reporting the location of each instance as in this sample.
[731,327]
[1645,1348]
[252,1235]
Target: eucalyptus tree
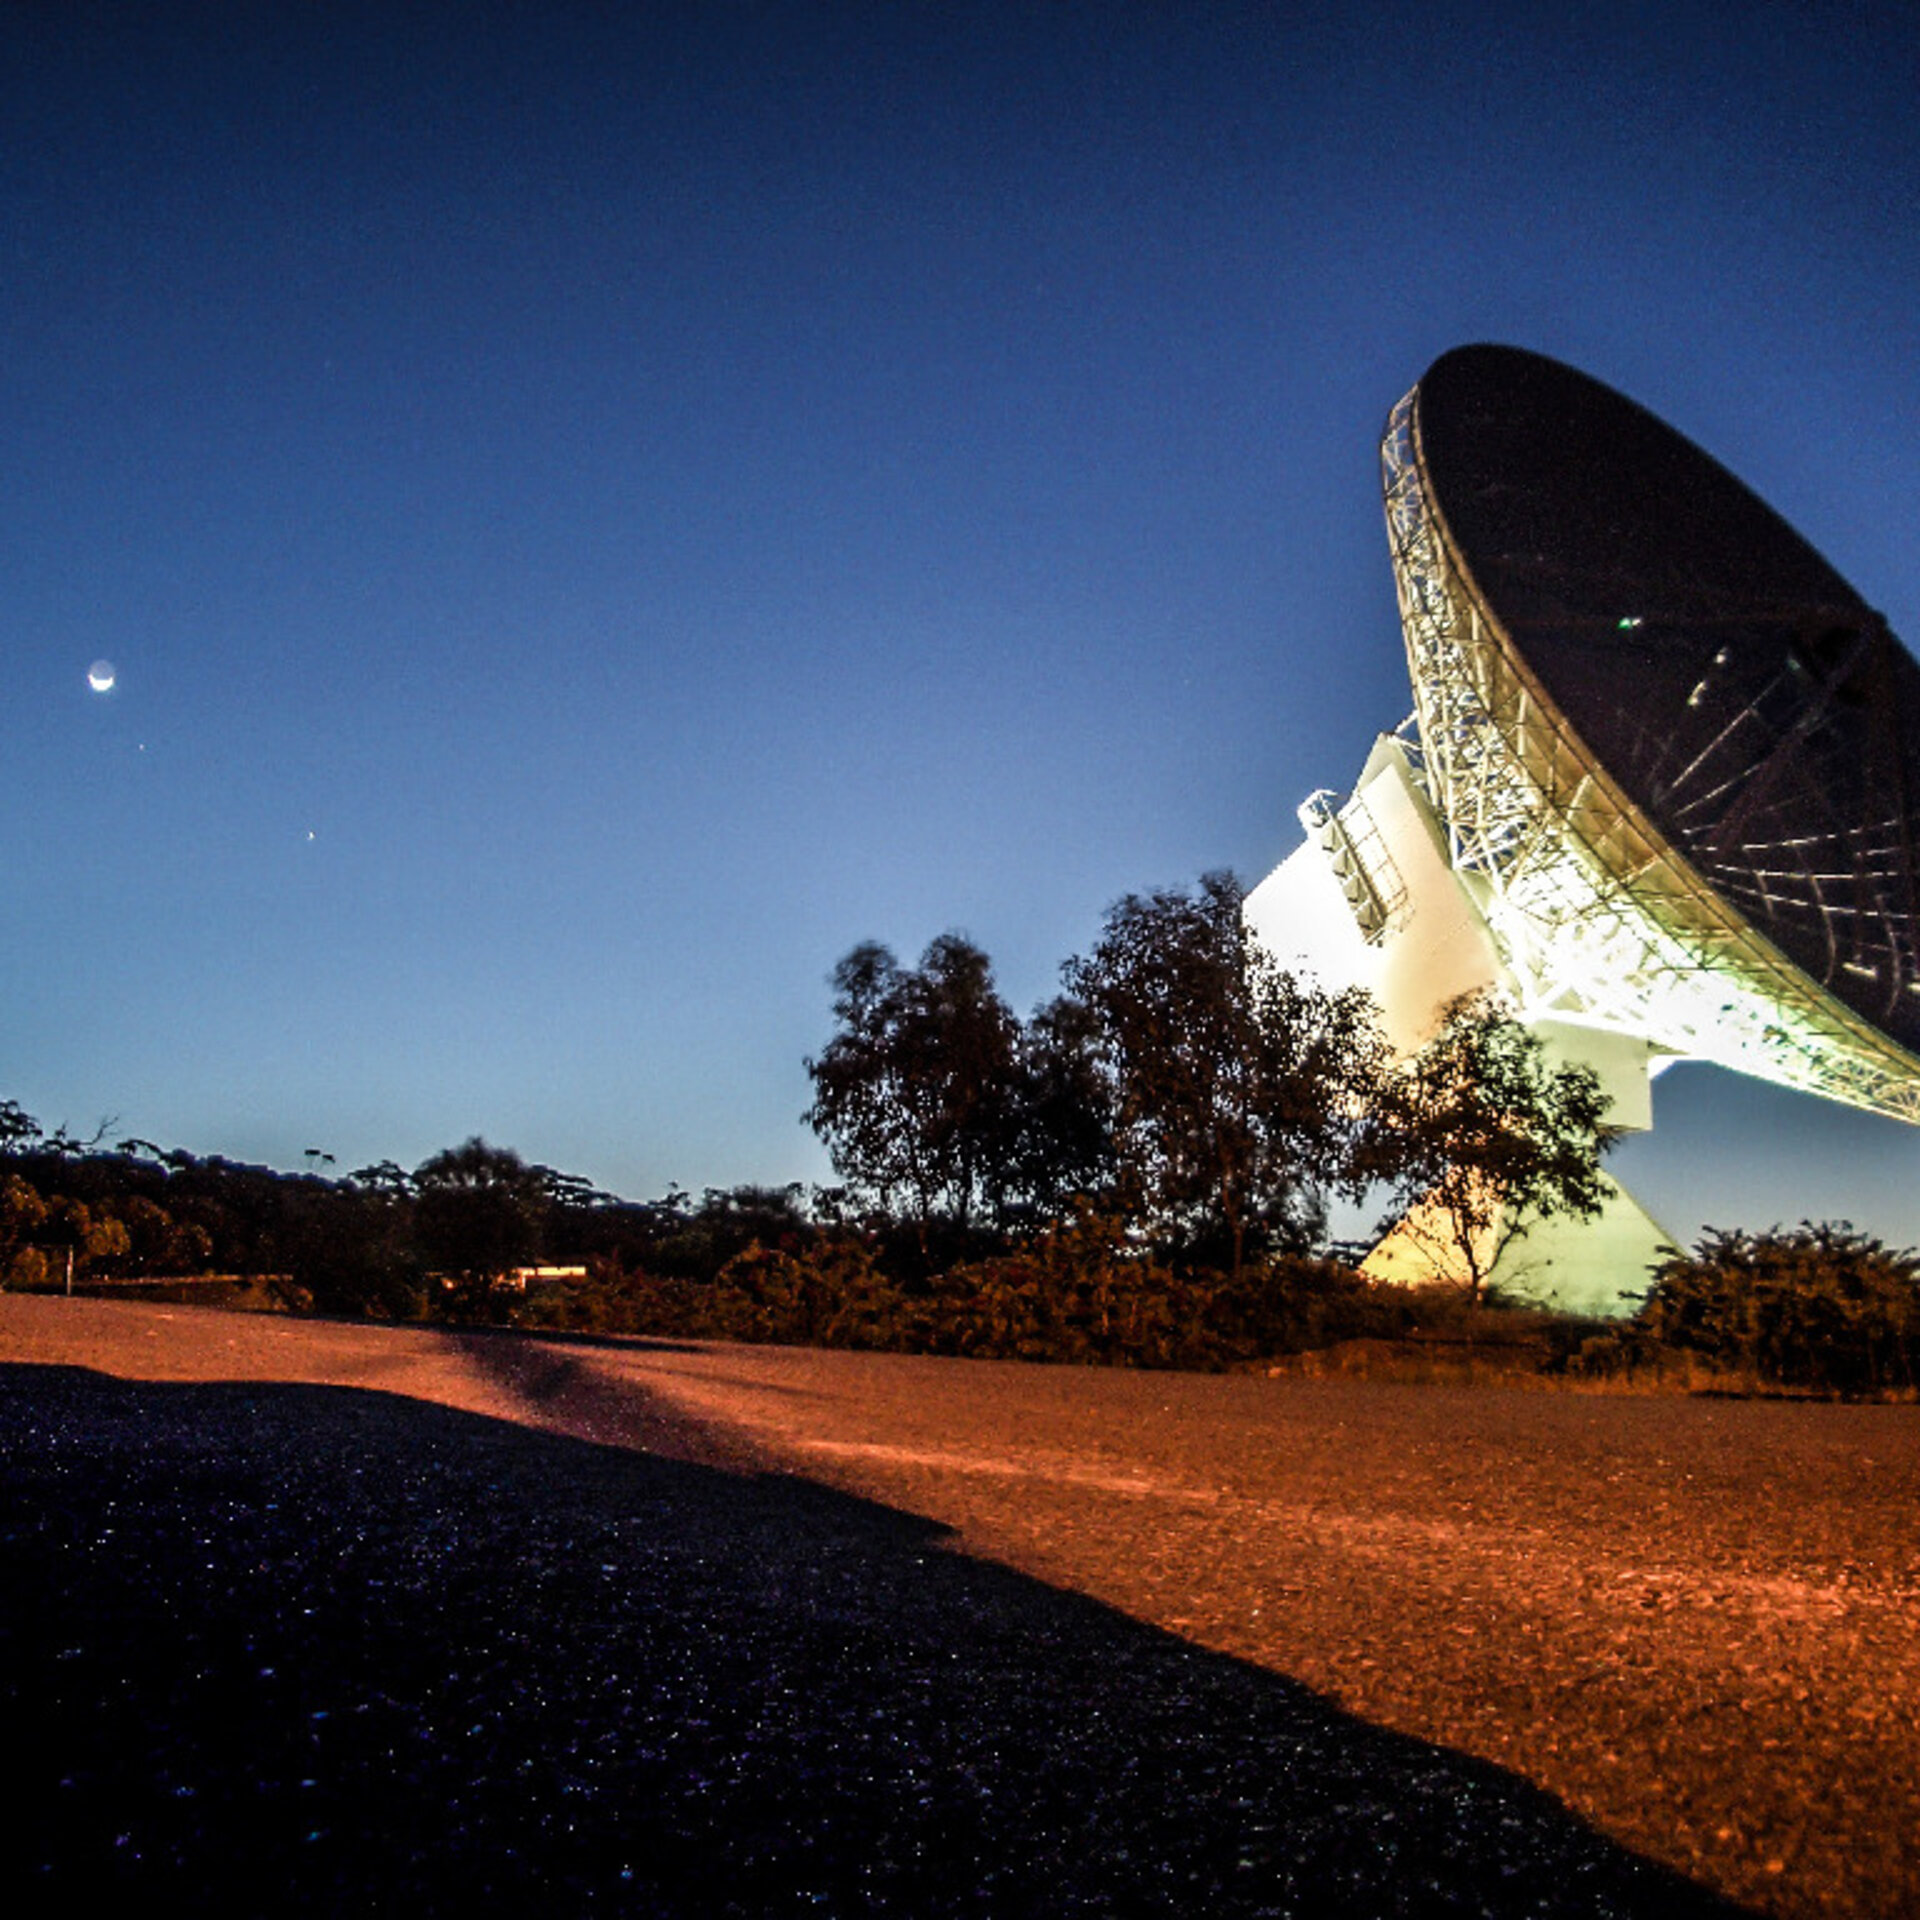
[1061,1146]
[479,1211]
[916,1092]
[1479,1135]
[1236,1089]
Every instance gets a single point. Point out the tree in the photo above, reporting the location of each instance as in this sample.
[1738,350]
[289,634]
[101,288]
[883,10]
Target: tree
[347,1246]
[478,1214]
[694,1243]
[23,1214]
[914,1094]
[19,1130]
[1235,1087]
[1479,1137]
[81,1237]
[385,1177]
[1060,1148]
[158,1243]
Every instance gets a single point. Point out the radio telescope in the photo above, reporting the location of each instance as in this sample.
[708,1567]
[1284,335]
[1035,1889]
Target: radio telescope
[1658,786]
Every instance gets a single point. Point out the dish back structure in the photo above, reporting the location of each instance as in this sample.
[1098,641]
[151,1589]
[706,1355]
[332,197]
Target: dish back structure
[1673,753]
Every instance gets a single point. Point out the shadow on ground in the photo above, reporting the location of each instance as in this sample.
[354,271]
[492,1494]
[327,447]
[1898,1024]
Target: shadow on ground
[330,1650]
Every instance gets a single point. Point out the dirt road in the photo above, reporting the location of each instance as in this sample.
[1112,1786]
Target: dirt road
[1692,1622]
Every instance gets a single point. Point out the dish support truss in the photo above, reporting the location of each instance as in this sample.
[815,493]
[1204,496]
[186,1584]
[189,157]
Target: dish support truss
[1598,918]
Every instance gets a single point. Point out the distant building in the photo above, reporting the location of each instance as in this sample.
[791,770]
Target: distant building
[522,1278]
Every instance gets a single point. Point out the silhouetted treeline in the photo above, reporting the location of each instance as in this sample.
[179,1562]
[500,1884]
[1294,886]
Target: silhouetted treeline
[1138,1174]
[451,1237]
[1821,1307]
[1178,1116]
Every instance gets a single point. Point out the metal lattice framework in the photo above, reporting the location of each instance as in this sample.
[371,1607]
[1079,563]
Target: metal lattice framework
[1596,915]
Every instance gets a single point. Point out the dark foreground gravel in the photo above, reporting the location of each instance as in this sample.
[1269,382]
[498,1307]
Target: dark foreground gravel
[273,1647]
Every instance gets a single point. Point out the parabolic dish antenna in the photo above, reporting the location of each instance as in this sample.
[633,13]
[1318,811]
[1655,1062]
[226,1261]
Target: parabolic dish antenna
[1664,784]
[1680,751]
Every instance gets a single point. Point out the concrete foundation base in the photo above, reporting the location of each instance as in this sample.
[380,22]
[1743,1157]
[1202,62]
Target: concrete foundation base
[1594,1266]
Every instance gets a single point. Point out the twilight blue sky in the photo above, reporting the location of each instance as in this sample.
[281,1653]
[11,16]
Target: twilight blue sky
[598,508]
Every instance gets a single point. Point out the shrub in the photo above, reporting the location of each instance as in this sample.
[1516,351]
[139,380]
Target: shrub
[830,1294]
[28,1271]
[1295,1303]
[1821,1307]
[1082,1291]
[1076,1292]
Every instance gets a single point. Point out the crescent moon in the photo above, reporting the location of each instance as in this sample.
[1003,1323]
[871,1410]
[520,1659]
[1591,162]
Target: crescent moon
[100,676]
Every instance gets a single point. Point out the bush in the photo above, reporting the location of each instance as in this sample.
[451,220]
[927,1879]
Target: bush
[1079,1292]
[1082,1292]
[1821,1307]
[830,1294]
[1298,1303]
[1076,1292]
[29,1271]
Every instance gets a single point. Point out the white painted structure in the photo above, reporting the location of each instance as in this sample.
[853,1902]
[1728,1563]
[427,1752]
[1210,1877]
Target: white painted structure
[1372,900]
[1771,924]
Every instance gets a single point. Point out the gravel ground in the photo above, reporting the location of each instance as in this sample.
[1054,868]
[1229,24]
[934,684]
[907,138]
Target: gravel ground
[349,1619]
